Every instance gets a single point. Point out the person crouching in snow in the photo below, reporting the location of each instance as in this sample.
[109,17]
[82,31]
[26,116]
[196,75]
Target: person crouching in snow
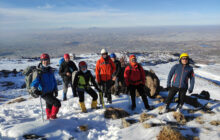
[180,73]
[135,79]
[45,84]
[82,81]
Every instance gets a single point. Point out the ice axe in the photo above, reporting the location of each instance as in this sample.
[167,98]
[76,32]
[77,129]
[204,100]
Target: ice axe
[42,113]
[102,101]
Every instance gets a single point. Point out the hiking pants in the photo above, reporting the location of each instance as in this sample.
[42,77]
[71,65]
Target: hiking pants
[90,91]
[106,88]
[65,86]
[140,89]
[117,85]
[51,100]
[172,93]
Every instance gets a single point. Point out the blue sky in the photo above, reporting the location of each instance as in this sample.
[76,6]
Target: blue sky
[46,14]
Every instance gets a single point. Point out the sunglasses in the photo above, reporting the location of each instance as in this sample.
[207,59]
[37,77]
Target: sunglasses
[44,59]
[83,67]
[104,53]
[185,58]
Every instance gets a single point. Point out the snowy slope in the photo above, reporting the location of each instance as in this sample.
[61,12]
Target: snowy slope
[23,118]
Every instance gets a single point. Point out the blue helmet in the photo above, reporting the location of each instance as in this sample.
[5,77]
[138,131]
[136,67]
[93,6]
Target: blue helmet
[112,55]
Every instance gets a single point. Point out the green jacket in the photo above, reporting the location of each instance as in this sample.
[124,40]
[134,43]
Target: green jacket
[84,80]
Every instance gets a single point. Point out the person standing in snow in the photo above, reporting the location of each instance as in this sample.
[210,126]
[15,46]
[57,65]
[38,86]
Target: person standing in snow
[45,85]
[82,81]
[105,67]
[117,73]
[66,69]
[135,79]
[180,73]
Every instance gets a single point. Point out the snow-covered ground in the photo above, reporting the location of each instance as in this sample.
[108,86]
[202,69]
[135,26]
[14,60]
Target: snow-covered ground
[25,117]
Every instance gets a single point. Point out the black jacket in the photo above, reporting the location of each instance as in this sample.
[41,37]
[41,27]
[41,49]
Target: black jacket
[67,67]
[88,78]
[118,68]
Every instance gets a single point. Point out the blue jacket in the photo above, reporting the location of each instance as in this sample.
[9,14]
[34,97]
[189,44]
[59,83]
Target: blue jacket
[181,74]
[45,81]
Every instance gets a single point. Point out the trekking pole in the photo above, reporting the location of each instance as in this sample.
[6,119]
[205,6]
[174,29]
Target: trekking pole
[101,96]
[42,113]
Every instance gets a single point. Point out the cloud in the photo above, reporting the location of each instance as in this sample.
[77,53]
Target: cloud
[15,18]
[46,6]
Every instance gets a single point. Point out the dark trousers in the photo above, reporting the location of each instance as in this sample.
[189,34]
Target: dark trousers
[140,89]
[51,100]
[65,86]
[117,86]
[90,91]
[106,88]
[172,93]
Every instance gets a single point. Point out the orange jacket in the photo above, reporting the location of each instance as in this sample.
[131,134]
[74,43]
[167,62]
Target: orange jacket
[104,69]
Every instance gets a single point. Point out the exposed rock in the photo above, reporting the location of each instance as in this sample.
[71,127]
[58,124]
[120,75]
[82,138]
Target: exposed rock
[33,136]
[196,138]
[17,100]
[152,83]
[158,97]
[128,122]
[147,125]
[83,127]
[216,123]
[167,133]
[160,108]
[115,113]
[144,117]
[200,120]
[156,102]
[179,117]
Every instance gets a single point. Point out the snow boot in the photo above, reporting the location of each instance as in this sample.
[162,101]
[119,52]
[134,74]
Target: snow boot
[94,104]
[83,107]
[48,113]
[54,112]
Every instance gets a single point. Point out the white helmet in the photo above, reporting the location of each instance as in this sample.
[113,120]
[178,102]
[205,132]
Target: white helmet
[104,51]
[71,55]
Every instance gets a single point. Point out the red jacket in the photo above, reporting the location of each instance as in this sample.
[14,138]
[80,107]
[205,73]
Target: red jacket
[104,69]
[135,75]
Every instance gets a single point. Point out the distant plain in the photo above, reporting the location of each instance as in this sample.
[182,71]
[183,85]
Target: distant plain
[201,42]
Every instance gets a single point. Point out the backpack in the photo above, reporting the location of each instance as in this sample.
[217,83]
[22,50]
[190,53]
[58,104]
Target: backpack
[31,72]
[61,61]
[73,76]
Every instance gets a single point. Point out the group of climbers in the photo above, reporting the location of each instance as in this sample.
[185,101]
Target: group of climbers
[107,73]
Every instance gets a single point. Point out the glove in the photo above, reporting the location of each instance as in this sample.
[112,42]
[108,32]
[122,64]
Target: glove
[35,93]
[190,91]
[55,93]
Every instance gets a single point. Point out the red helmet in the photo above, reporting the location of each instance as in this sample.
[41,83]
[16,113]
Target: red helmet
[82,64]
[44,56]
[66,56]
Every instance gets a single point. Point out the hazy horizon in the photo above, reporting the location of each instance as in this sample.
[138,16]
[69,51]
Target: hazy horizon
[199,41]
